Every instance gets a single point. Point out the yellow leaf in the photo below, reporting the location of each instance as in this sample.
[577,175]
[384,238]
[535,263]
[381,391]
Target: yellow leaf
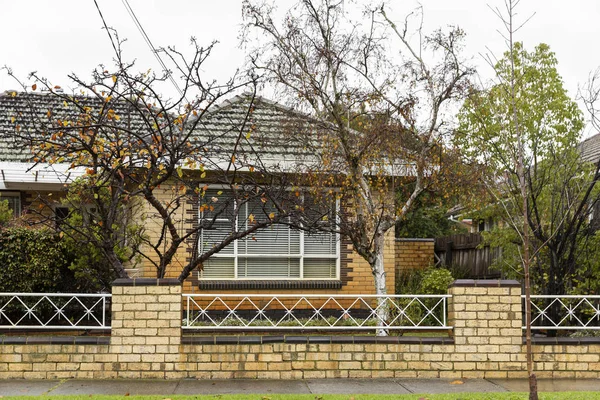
[179,172]
[232,159]
[14,94]
[114,78]
[457,382]
[251,218]
[272,215]
[13,119]
[203,175]
[220,192]
[248,135]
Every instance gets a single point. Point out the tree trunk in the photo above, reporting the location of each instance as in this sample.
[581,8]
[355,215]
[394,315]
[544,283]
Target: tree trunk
[116,264]
[555,288]
[378,268]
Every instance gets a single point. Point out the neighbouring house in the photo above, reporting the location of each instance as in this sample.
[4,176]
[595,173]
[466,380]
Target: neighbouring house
[274,259]
[590,152]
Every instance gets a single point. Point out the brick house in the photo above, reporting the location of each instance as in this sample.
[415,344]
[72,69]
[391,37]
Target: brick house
[278,259]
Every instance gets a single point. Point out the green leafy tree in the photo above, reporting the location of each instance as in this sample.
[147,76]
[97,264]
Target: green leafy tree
[561,187]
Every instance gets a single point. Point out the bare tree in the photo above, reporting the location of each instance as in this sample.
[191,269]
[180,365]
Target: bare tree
[137,147]
[383,105]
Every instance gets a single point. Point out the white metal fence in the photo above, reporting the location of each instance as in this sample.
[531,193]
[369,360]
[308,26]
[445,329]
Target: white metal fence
[288,312]
[550,312]
[54,311]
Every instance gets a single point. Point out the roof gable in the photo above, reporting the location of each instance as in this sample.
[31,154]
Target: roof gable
[261,128]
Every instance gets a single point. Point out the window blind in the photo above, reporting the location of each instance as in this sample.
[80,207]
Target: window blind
[274,252]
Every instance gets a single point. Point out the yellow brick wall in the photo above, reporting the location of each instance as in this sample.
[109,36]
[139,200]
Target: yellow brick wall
[37,207]
[361,278]
[146,334]
[413,254]
[166,194]
[294,361]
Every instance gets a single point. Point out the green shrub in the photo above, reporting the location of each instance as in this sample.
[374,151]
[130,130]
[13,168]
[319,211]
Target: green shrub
[40,260]
[431,280]
[435,281]
[32,260]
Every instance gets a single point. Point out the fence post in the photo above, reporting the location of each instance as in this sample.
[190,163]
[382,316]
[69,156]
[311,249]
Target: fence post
[146,327]
[487,318]
[448,258]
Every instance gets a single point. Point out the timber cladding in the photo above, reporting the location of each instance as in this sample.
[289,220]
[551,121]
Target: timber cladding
[146,342]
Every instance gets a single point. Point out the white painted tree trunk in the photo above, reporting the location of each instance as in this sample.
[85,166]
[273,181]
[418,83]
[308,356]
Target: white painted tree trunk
[378,269]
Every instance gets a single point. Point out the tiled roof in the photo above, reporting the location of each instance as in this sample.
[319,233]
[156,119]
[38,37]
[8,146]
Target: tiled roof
[264,128]
[269,129]
[590,148]
[32,112]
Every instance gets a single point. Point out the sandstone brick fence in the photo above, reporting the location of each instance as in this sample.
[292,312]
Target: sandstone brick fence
[147,342]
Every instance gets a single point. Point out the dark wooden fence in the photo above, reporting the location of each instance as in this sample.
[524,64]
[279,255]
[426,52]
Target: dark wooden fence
[463,252]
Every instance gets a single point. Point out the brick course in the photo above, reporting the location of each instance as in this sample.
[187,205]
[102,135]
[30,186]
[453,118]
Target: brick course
[486,343]
[412,254]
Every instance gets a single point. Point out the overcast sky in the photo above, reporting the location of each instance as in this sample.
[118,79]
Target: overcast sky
[62,36]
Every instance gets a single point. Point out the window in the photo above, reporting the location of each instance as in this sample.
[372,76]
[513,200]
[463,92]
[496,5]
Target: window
[275,252]
[14,202]
[60,215]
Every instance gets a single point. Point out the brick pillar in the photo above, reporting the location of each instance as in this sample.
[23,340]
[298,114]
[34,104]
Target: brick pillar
[487,320]
[146,326]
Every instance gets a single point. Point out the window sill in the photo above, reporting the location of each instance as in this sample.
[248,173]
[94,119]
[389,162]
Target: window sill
[267,285]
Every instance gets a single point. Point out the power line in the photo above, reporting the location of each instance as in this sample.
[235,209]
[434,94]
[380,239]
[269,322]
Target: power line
[150,45]
[106,27]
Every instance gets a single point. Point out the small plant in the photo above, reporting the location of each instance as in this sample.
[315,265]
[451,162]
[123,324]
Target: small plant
[436,281]
[431,280]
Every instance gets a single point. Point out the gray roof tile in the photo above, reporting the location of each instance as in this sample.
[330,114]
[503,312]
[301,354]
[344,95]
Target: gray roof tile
[263,127]
[590,148]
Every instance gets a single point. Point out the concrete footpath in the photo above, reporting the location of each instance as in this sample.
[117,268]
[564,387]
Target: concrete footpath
[307,386]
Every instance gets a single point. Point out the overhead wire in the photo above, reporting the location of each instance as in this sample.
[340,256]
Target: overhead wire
[106,27]
[140,28]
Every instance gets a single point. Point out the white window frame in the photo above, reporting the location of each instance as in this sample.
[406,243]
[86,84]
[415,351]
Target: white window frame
[301,256]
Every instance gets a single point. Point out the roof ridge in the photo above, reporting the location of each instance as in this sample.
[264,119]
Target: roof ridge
[238,98]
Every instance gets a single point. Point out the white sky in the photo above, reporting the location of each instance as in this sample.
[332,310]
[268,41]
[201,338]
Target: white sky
[62,36]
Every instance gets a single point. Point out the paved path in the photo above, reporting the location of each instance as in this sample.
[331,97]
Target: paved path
[308,386]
